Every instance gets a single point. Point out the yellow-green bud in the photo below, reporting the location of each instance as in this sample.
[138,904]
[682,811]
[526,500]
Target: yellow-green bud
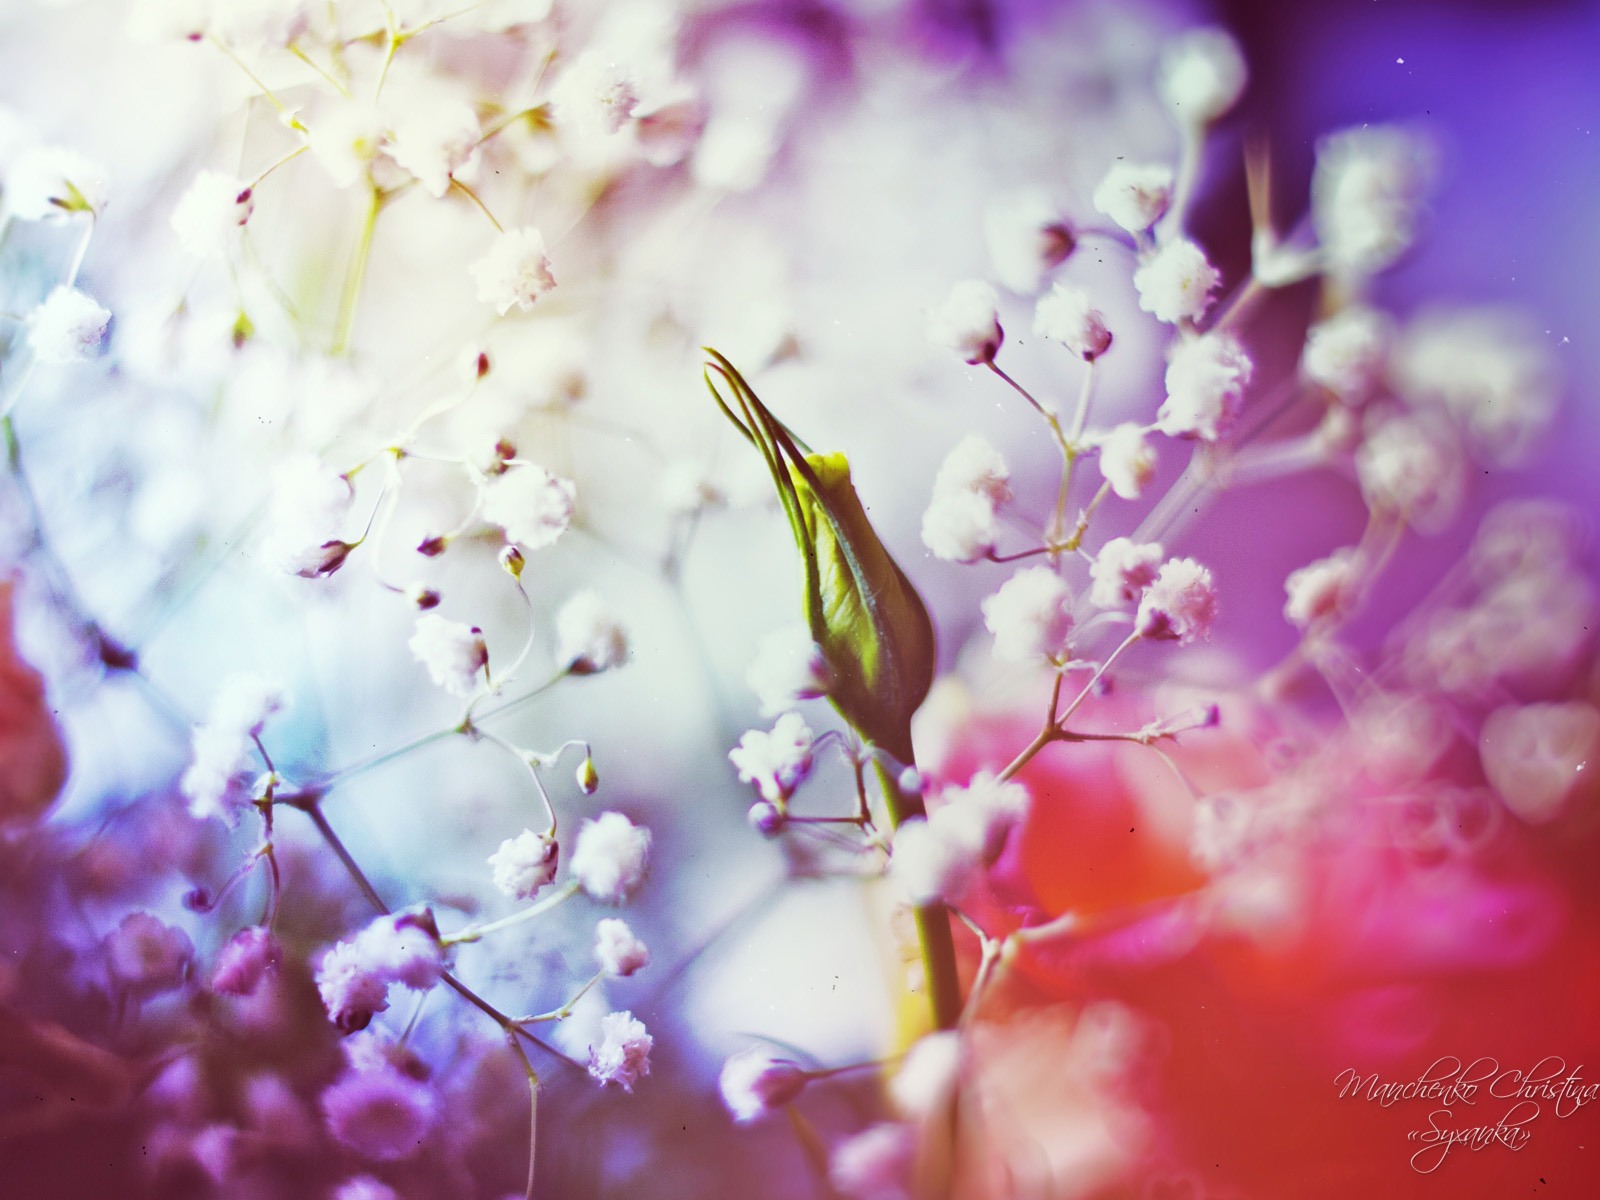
[873,628]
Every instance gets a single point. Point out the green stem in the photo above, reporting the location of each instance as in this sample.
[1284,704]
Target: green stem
[351,297]
[933,920]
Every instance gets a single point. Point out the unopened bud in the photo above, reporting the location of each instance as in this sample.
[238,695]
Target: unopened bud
[588,777]
[512,560]
[330,558]
[422,598]
[433,547]
[766,819]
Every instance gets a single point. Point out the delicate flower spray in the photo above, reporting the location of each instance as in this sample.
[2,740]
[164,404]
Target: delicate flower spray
[1076,613]
[366,378]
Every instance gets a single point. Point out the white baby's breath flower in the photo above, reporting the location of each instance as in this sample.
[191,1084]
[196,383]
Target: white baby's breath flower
[788,667]
[609,859]
[623,1053]
[67,327]
[667,127]
[778,761]
[1368,192]
[1346,353]
[974,466]
[756,1081]
[51,181]
[1030,616]
[1122,570]
[1488,368]
[1027,237]
[1135,195]
[1066,315]
[875,1164]
[222,747]
[345,136]
[533,506]
[1201,75]
[968,323]
[1411,465]
[453,652]
[589,638]
[617,950]
[1205,387]
[1175,282]
[515,271]
[433,137]
[1321,589]
[960,527]
[523,865]
[1180,604]
[594,96]
[1535,755]
[939,858]
[309,502]
[1127,460]
[211,212]
[927,1075]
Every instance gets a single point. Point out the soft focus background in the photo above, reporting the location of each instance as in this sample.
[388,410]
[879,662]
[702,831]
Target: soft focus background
[884,131]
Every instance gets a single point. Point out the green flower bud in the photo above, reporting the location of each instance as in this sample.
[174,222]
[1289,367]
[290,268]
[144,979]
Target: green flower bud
[873,628]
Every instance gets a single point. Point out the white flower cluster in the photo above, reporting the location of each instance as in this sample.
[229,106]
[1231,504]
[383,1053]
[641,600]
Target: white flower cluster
[939,858]
[224,744]
[973,483]
[354,976]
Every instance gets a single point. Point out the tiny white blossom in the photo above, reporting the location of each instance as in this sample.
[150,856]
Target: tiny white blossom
[67,327]
[433,137]
[1135,195]
[533,506]
[1180,604]
[1205,387]
[1321,589]
[211,212]
[1347,352]
[524,864]
[756,1081]
[1411,465]
[788,667]
[49,181]
[345,137]
[778,761]
[223,746]
[1535,755]
[624,1051]
[968,323]
[1065,315]
[1122,570]
[1127,460]
[926,867]
[974,466]
[668,127]
[454,653]
[514,271]
[1368,192]
[1488,368]
[309,502]
[940,857]
[1175,282]
[589,637]
[594,96]
[617,950]
[609,860]
[353,977]
[1027,237]
[1201,75]
[1030,616]
[960,527]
